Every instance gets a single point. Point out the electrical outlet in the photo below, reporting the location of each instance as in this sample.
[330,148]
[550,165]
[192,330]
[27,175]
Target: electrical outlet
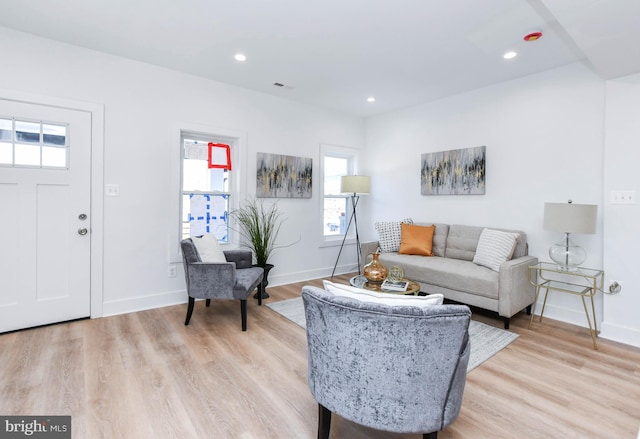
[172,271]
[615,286]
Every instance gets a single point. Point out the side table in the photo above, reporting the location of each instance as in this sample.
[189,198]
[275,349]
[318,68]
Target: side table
[583,282]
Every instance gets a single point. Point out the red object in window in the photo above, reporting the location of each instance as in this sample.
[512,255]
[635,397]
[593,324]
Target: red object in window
[220,164]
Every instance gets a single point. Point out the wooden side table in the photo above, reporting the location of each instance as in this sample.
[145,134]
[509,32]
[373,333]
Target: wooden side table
[361,282]
[583,282]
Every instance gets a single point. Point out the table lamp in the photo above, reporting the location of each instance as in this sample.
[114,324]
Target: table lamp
[569,218]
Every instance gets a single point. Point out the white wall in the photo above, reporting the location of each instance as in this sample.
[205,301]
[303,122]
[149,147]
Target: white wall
[544,139]
[142,104]
[621,235]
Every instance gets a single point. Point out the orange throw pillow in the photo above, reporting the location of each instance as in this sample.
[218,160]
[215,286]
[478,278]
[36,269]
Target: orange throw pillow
[416,240]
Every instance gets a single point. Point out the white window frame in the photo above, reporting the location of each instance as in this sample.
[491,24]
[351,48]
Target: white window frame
[238,142]
[184,135]
[327,150]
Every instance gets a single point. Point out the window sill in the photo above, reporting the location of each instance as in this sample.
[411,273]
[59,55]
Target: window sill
[330,242]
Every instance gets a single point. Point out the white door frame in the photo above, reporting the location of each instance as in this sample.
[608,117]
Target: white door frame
[97,181]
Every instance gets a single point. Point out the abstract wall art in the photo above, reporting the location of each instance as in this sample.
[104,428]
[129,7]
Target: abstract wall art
[283,176]
[455,172]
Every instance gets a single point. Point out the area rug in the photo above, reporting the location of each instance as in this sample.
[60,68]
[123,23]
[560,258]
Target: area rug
[486,341]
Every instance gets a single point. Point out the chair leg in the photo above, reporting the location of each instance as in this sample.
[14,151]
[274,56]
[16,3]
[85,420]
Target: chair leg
[507,320]
[432,435]
[243,314]
[208,302]
[324,422]
[192,302]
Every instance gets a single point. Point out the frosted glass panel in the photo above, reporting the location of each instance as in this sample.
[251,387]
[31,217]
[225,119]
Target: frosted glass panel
[6,153]
[54,157]
[28,155]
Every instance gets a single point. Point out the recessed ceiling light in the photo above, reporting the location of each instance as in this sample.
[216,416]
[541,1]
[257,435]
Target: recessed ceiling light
[371,99]
[509,55]
[240,57]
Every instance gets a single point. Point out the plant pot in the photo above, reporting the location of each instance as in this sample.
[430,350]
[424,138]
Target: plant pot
[262,288]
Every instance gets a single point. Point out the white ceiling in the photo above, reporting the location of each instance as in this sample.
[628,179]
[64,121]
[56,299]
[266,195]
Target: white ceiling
[336,53]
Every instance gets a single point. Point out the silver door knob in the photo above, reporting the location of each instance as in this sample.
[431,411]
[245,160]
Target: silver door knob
[82,231]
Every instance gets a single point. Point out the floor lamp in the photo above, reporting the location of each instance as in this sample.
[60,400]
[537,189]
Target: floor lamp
[355,185]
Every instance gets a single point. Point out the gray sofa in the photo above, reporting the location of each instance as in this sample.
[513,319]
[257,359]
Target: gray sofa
[452,272]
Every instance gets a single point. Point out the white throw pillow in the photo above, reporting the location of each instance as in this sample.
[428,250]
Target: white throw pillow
[383,298]
[494,248]
[209,249]
[389,234]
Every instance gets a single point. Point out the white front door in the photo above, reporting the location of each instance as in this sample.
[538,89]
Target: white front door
[45,218]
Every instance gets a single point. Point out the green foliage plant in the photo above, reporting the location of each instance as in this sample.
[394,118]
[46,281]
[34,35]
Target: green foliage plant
[259,226]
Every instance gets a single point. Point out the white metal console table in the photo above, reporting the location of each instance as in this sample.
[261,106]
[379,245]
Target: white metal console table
[583,282]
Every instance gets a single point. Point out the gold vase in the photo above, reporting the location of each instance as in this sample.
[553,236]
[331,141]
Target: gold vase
[374,271]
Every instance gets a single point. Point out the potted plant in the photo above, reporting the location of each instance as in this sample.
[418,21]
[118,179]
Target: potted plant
[259,227]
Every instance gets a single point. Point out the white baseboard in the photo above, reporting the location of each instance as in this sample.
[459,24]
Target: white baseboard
[302,276]
[142,303]
[567,315]
[608,331]
[620,334]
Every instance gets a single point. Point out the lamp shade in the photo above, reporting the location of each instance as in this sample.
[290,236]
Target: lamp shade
[354,184]
[570,218]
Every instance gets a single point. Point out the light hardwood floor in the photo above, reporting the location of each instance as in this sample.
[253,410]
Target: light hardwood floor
[146,375]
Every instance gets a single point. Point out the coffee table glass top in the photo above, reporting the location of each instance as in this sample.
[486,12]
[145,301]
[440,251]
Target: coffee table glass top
[361,282]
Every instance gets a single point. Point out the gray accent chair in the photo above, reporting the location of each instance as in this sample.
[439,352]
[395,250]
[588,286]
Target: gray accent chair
[234,279]
[394,368]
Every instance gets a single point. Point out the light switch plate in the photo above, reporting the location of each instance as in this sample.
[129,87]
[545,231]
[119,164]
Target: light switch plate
[623,197]
[112,190]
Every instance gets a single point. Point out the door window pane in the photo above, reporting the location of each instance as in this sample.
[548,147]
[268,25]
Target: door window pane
[54,134]
[33,144]
[54,157]
[6,153]
[6,129]
[27,132]
[27,155]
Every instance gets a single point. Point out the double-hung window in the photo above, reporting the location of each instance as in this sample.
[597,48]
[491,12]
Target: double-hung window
[205,186]
[336,162]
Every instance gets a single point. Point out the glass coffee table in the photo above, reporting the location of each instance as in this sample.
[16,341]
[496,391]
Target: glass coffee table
[361,282]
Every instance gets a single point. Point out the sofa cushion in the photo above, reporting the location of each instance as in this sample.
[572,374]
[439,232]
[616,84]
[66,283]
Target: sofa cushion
[439,237]
[383,298]
[494,248]
[209,249]
[416,240]
[389,234]
[454,274]
[462,242]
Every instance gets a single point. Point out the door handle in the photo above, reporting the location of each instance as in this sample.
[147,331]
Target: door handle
[83,231]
